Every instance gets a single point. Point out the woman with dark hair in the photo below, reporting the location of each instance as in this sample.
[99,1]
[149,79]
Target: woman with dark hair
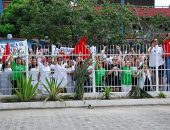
[100,73]
[45,73]
[145,81]
[71,68]
[156,60]
[60,72]
[18,69]
[34,71]
[5,79]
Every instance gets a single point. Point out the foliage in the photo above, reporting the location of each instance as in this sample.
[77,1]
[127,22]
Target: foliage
[108,23]
[161,95]
[137,92]
[146,27]
[80,76]
[53,89]
[106,92]
[158,21]
[63,23]
[6,28]
[25,90]
[11,18]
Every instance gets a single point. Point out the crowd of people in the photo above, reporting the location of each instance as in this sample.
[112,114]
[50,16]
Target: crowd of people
[118,67]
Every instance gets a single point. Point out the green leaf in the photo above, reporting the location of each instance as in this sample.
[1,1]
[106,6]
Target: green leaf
[26,91]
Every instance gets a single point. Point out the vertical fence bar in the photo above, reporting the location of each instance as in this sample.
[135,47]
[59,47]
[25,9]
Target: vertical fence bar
[93,62]
[157,76]
[26,60]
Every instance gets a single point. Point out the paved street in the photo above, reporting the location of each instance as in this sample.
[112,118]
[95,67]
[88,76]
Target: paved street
[113,118]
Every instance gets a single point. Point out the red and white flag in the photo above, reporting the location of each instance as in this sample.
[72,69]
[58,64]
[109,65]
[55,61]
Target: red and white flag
[6,53]
[81,49]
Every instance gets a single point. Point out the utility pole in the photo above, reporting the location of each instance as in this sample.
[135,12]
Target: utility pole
[1,7]
[122,3]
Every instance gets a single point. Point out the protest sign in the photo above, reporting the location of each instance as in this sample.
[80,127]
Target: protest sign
[56,50]
[20,47]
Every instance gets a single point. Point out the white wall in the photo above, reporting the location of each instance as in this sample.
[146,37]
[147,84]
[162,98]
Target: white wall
[162,2]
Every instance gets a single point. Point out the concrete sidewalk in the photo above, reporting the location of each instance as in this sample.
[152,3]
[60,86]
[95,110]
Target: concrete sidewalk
[107,118]
[84,103]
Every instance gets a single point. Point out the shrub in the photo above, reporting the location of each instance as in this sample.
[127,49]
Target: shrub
[106,92]
[80,76]
[53,89]
[25,90]
[161,95]
[137,93]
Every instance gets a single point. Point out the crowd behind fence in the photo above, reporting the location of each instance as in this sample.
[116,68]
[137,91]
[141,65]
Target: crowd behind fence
[120,67]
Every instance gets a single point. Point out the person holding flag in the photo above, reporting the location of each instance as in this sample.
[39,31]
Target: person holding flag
[18,69]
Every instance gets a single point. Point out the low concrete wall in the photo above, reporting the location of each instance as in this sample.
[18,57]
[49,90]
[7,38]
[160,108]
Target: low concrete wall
[84,103]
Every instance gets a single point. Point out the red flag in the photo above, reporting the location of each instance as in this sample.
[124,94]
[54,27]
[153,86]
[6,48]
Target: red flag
[6,53]
[81,48]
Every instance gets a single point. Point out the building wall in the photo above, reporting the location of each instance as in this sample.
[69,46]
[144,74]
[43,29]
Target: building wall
[1,6]
[134,2]
[6,3]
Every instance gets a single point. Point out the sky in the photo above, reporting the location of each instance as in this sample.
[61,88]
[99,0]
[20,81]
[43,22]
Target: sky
[162,2]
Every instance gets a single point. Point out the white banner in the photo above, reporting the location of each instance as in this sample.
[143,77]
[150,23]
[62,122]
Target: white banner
[19,46]
[67,50]
[56,50]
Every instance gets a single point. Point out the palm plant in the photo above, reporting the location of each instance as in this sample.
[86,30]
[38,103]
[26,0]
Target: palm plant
[137,93]
[80,76]
[53,89]
[25,90]
[106,92]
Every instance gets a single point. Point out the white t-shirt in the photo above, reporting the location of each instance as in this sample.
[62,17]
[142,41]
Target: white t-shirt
[60,74]
[34,72]
[0,67]
[156,57]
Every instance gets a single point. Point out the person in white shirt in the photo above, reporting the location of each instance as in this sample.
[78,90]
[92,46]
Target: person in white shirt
[5,79]
[156,59]
[0,64]
[70,70]
[45,73]
[145,81]
[34,71]
[60,73]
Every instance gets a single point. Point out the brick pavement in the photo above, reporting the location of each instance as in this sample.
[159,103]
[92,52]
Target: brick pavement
[112,118]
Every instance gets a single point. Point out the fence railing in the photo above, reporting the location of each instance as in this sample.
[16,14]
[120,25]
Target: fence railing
[117,67]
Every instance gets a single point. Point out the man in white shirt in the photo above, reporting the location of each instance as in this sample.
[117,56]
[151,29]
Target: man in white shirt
[156,59]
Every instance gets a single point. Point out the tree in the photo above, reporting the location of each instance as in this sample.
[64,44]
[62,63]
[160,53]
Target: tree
[64,23]
[10,18]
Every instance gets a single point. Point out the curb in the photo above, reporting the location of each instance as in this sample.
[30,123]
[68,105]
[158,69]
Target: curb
[83,103]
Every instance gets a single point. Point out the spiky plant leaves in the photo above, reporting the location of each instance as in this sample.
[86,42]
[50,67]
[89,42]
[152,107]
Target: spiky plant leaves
[106,92]
[80,76]
[25,90]
[53,89]
[137,92]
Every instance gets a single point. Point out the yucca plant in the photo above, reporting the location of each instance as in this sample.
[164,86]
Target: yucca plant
[53,89]
[106,92]
[25,90]
[137,93]
[80,76]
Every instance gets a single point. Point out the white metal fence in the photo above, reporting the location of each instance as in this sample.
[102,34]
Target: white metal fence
[120,67]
